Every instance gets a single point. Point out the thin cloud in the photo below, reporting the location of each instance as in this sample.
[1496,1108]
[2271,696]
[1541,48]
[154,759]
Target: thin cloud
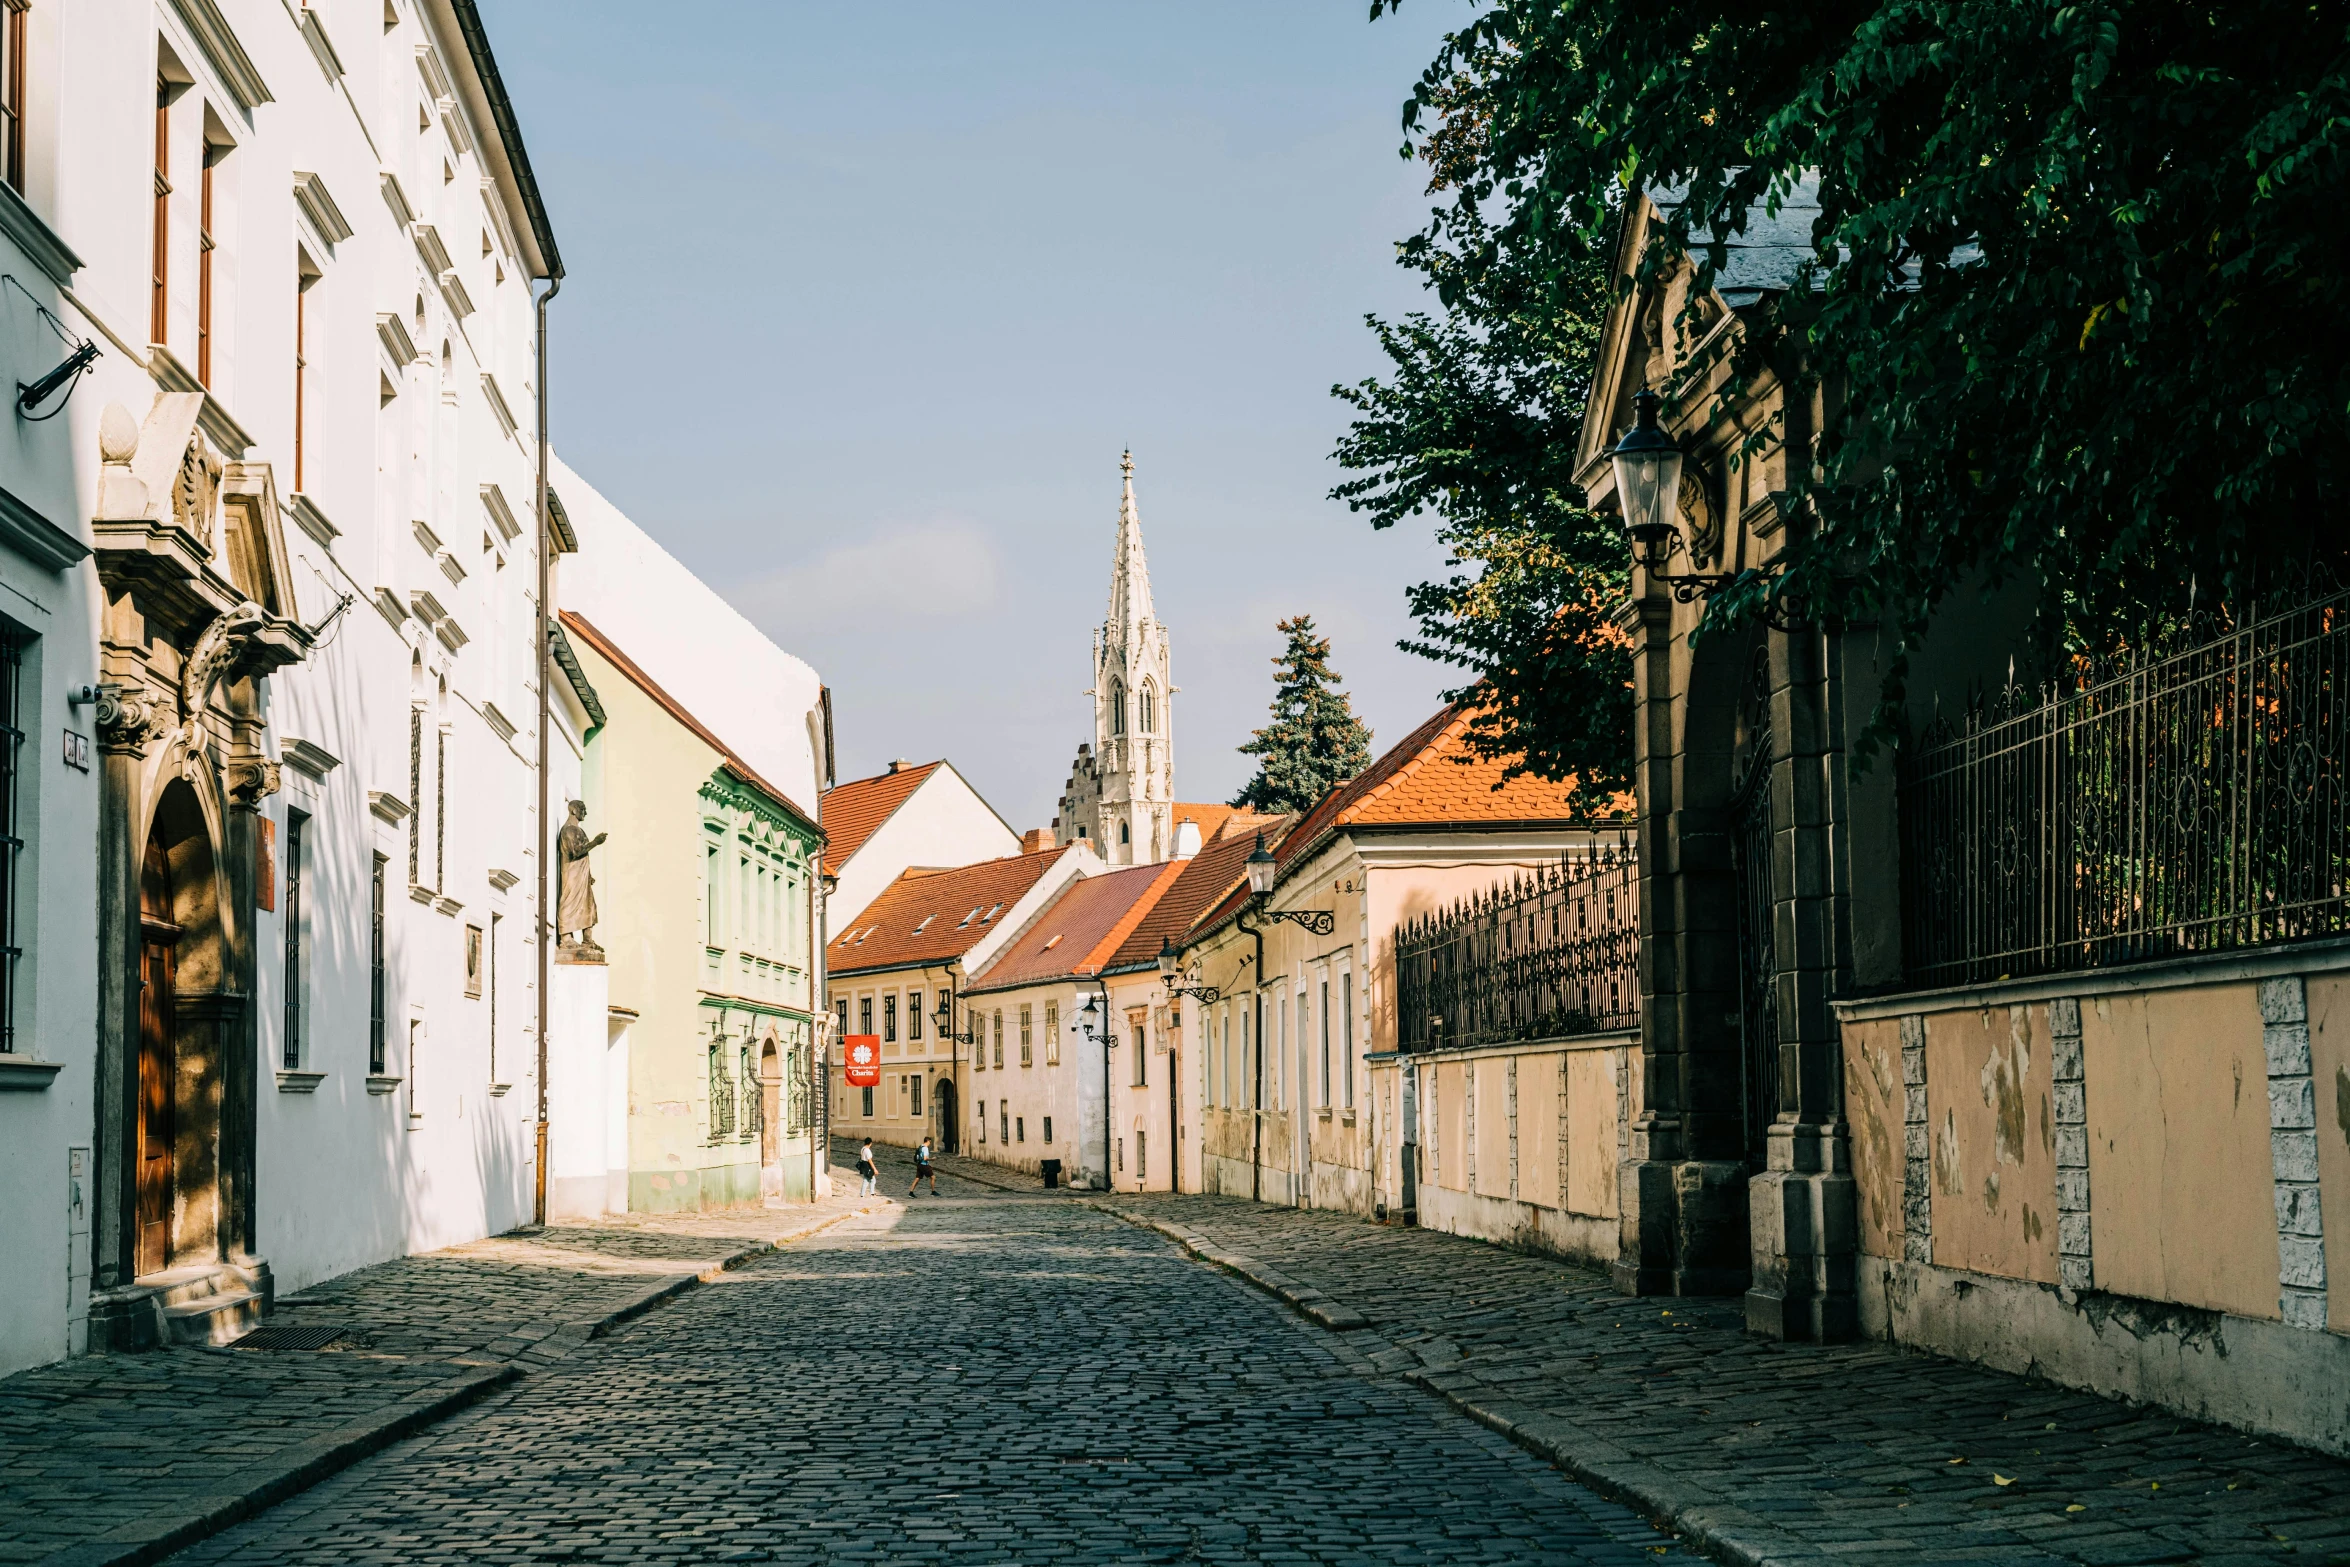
[947,567]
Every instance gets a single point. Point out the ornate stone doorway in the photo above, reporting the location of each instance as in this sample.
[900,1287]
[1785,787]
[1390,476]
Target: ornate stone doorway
[178,1197]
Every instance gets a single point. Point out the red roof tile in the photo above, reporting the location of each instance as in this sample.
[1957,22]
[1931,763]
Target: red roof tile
[1206,878]
[930,916]
[609,651]
[1081,928]
[854,811]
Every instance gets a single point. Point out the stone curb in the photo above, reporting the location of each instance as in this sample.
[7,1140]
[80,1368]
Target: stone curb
[304,1464]
[1307,1301]
[1703,1520]
[287,1474]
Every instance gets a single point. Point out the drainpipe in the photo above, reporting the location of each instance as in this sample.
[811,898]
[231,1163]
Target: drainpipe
[1109,1033]
[546,934]
[1256,1108]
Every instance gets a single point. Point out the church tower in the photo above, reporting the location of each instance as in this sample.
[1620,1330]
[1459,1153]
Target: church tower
[1121,792]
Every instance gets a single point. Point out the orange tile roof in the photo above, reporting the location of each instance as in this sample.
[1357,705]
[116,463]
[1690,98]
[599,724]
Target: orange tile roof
[1430,778]
[609,651]
[1207,877]
[1084,925]
[931,916]
[854,811]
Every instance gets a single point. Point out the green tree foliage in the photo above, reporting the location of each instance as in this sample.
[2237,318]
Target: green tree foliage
[2077,302]
[1476,425]
[1314,740]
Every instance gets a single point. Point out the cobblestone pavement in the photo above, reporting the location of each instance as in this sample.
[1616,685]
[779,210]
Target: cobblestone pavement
[89,1446]
[1860,1453]
[976,1378]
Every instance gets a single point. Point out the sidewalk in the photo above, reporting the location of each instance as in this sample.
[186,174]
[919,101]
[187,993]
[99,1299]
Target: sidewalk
[1765,1452]
[118,1459]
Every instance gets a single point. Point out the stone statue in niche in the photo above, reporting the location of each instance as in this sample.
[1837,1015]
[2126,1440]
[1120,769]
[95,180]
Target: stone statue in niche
[575,911]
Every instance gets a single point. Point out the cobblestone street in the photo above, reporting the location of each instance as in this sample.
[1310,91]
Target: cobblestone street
[992,1378]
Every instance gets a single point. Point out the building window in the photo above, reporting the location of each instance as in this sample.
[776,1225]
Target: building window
[12,80]
[1121,1156]
[864,1014]
[1027,1035]
[1020,1128]
[1003,1121]
[1125,832]
[1325,1042]
[11,740]
[914,1093]
[305,275]
[867,1094]
[721,1092]
[1346,1027]
[710,912]
[975,1025]
[440,790]
[999,1040]
[490,962]
[159,301]
[1048,1128]
[416,783]
[913,1014]
[375,971]
[204,300]
[1052,1033]
[1141,1058]
[295,823]
[841,1011]
[889,1019]
[1150,709]
[1117,707]
[983,1120]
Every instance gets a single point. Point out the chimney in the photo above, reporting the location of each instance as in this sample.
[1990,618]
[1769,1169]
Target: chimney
[900,765]
[1186,838]
[1036,840]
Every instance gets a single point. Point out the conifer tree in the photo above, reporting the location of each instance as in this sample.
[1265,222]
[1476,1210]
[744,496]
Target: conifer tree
[1314,740]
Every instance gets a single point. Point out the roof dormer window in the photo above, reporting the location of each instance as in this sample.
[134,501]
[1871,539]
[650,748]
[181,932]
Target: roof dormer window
[992,913]
[968,918]
[925,925]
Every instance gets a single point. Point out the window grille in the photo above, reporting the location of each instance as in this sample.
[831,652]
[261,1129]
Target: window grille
[295,823]
[913,1014]
[2191,797]
[889,1019]
[1550,955]
[1027,1035]
[440,804]
[11,845]
[375,970]
[754,1116]
[416,795]
[721,1094]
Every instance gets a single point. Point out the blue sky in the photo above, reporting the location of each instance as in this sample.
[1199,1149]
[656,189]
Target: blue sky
[864,302]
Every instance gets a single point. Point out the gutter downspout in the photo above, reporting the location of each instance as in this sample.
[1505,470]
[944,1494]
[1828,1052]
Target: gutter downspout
[545,933]
[1256,1108]
[1109,1033]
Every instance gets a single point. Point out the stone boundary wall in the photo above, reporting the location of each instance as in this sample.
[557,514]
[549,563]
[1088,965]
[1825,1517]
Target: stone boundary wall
[2132,1183]
[1519,1144]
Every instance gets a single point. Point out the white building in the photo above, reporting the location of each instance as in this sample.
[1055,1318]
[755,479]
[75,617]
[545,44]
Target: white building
[927,815]
[274,1018]
[1120,796]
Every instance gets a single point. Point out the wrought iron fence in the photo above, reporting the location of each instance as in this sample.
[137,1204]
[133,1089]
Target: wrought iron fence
[2194,798]
[721,1094]
[1553,954]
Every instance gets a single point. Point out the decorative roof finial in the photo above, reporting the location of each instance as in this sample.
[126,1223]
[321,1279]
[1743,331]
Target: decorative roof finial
[1126,463]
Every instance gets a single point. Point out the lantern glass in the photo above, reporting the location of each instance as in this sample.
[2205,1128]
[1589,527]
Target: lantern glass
[1167,959]
[1260,868]
[1648,481]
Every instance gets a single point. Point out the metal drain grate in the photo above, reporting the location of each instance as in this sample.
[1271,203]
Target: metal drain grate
[289,1336]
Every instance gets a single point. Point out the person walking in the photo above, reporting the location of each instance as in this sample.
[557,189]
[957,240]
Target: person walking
[866,1167]
[924,1169]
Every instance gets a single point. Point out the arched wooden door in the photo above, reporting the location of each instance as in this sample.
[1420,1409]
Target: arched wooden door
[158,1061]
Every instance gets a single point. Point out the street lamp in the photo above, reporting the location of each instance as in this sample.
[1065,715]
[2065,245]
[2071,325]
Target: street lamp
[1648,464]
[1093,1021]
[1261,870]
[1179,983]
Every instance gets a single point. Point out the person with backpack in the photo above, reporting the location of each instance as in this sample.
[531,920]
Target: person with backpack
[924,1168]
[866,1167]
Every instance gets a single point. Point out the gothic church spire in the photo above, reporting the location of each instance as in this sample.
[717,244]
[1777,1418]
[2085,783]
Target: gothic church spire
[1130,574]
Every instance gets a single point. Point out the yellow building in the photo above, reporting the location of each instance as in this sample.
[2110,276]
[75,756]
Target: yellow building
[897,969]
[707,912]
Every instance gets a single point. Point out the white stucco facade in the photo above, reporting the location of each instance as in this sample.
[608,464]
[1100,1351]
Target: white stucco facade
[942,822]
[343,304]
